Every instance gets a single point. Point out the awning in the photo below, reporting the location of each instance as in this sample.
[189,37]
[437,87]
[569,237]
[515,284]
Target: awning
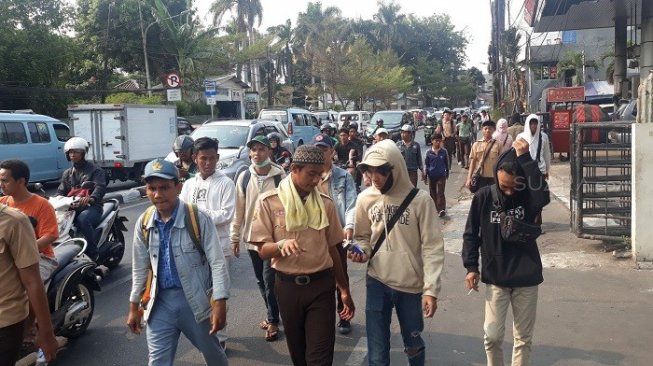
[598,90]
[561,15]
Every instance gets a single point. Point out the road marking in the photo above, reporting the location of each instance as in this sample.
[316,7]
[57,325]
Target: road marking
[357,356]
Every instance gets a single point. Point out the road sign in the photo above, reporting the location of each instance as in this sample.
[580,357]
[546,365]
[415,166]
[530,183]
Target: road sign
[209,88]
[210,100]
[173,80]
[174,95]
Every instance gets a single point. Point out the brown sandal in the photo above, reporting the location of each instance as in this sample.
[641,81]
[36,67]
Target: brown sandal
[272,333]
[264,324]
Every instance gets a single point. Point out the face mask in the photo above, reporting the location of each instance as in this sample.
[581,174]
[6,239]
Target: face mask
[263,164]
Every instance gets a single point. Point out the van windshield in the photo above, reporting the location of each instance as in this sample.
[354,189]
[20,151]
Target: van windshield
[352,117]
[228,136]
[390,119]
[281,116]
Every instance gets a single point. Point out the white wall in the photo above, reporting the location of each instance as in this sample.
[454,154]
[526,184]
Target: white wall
[642,195]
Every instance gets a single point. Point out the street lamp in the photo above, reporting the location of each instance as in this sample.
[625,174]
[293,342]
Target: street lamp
[144,36]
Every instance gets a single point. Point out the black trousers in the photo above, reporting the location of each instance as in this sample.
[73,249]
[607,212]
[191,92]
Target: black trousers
[11,338]
[309,319]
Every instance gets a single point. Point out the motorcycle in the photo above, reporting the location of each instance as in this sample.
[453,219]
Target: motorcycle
[429,128]
[109,233]
[70,290]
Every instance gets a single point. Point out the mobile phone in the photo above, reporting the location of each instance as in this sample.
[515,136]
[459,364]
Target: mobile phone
[353,247]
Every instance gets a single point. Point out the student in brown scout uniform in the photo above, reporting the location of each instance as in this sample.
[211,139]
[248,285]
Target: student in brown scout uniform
[486,147]
[298,228]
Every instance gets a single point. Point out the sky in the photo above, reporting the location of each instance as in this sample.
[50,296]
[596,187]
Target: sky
[473,17]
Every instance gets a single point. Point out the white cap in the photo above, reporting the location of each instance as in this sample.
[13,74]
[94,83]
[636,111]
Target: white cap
[407,128]
[380,131]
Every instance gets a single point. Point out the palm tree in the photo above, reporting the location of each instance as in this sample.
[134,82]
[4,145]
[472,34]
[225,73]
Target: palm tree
[570,68]
[510,49]
[390,23]
[311,26]
[246,12]
[284,62]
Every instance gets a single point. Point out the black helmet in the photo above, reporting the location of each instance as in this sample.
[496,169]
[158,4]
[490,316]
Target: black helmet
[183,143]
[275,136]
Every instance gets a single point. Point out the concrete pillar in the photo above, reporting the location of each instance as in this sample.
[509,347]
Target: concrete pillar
[620,56]
[646,59]
[642,176]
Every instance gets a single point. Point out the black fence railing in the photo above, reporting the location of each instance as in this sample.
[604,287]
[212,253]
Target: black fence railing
[601,180]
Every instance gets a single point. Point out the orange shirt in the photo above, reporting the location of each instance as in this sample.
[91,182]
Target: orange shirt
[40,209]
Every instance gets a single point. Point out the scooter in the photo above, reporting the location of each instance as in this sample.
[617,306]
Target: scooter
[109,233]
[70,289]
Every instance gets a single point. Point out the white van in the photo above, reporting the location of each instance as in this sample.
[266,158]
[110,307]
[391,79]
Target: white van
[362,118]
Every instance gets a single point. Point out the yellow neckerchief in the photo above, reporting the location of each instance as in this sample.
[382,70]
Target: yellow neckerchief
[299,215]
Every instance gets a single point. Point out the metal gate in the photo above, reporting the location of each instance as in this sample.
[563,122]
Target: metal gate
[601,180]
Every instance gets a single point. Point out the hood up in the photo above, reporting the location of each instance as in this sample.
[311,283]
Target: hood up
[501,131]
[386,151]
[527,135]
[510,155]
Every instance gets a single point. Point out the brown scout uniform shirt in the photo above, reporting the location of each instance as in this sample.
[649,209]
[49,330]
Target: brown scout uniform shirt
[478,150]
[269,224]
[17,250]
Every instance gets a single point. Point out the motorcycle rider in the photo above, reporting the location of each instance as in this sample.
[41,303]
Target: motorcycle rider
[89,207]
[183,149]
[280,155]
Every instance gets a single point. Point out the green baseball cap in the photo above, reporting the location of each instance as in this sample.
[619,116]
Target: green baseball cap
[259,139]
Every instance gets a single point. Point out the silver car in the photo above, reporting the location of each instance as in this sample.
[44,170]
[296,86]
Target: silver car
[233,136]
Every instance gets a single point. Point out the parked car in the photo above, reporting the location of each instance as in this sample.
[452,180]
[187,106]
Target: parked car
[362,119]
[232,137]
[37,140]
[392,121]
[184,127]
[300,124]
[627,111]
[326,116]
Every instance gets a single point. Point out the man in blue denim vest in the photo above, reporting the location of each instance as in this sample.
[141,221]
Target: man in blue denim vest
[189,283]
[338,184]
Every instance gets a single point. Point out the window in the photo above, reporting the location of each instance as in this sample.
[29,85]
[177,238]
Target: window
[62,132]
[298,118]
[12,133]
[38,132]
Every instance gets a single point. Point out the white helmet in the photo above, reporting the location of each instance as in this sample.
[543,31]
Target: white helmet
[75,143]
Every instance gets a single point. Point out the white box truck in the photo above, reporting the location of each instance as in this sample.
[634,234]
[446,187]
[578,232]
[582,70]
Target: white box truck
[124,137]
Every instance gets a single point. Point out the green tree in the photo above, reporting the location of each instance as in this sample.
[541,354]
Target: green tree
[570,68]
[390,24]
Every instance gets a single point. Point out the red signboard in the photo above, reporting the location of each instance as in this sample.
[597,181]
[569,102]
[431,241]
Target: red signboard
[561,120]
[562,95]
[530,7]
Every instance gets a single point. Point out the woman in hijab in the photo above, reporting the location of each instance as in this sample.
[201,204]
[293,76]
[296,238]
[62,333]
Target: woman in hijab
[501,135]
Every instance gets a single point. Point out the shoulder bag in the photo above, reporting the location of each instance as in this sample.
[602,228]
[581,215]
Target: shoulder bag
[514,230]
[476,176]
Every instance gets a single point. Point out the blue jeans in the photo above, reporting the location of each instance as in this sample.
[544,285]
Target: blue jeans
[86,222]
[264,274]
[171,316]
[378,311]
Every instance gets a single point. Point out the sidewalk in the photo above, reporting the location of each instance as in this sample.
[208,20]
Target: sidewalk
[593,309]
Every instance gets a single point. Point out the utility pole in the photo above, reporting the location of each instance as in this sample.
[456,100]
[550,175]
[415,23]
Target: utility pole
[501,61]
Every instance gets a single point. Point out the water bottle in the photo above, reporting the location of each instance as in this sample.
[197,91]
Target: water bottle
[40,358]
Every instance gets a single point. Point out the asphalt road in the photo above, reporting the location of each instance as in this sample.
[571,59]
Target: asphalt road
[108,341]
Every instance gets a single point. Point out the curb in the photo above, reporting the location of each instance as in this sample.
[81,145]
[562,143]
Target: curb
[127,195]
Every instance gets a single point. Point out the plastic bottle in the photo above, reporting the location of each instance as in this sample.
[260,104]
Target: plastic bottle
[40,358]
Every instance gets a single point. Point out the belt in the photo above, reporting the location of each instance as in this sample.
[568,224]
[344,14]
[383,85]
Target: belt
[305,279]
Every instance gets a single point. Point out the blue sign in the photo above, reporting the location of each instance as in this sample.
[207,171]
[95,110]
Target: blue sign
[209,88]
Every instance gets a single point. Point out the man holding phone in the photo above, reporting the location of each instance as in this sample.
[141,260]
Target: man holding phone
[397,229]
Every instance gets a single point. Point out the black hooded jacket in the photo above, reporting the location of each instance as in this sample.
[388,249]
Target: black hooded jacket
[506,264]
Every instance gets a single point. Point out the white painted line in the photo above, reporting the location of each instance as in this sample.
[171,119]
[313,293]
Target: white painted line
[357,356]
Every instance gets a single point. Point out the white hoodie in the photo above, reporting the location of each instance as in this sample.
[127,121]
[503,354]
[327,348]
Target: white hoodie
[215,195]
[533,140]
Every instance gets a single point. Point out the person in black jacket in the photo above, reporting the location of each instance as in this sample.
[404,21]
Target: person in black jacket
[511,272]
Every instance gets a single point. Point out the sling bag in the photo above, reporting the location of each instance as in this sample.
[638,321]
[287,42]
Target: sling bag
[473,185]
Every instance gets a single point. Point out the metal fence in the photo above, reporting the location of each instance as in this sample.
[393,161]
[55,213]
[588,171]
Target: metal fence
[601,180]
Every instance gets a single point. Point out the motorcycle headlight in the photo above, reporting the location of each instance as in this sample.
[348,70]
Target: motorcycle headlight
[222,164]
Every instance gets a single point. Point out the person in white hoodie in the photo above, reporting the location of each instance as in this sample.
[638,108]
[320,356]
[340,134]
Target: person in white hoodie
[405,268]
[538,143]
[262,176]
[215,194]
